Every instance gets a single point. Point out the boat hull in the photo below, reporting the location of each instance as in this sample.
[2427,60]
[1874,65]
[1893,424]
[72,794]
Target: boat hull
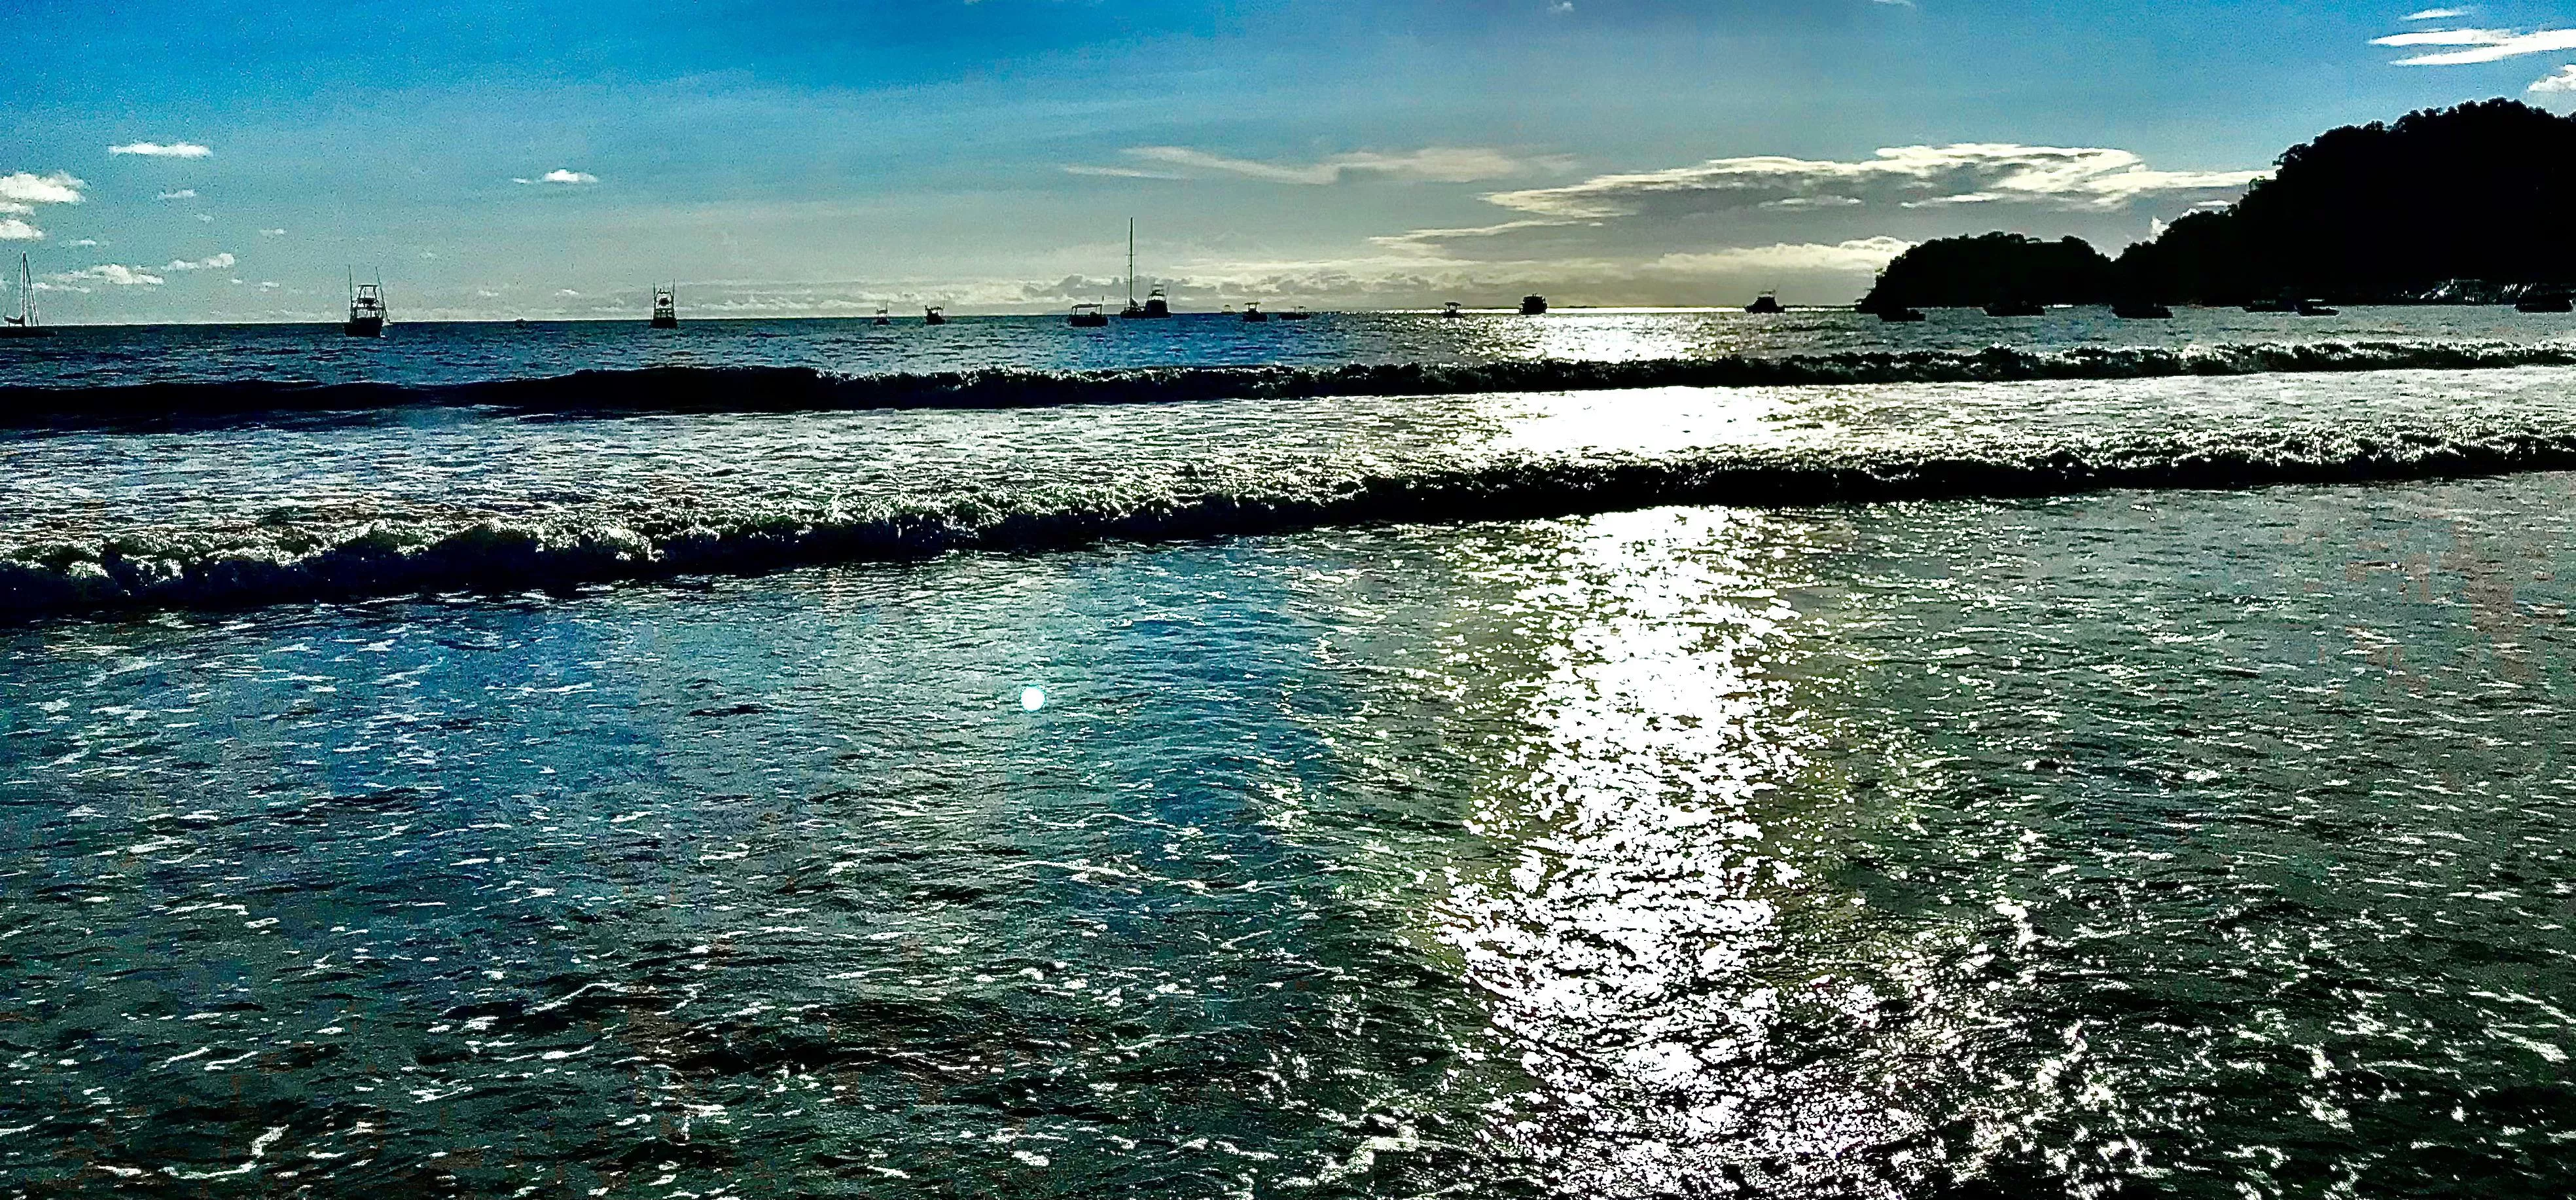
[665,322]
[25,331]
[364,327]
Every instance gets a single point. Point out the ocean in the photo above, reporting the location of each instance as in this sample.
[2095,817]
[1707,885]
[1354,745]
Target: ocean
[1606,754]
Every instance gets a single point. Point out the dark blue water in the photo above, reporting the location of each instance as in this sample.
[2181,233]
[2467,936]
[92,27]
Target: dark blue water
[2185,840]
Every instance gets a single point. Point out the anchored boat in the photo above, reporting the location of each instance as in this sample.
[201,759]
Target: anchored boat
[1533,305]
[24,325]
[1452,311]
[1087,316]
[1767,302]
[930,315]
[367,313]
[1252,312]
[666,309]
[1155,306]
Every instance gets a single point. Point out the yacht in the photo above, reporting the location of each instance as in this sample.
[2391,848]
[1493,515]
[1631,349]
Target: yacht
[24,325]
[666,309]
[366,309]
[1767,302]
[1155,306]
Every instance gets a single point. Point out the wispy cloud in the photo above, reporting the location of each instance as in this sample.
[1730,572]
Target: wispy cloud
[2563,81]
[110,273]
[1858,254]
[2435,14]
[2073,179]
[211,263]
[16,229]
[1431,164]
[559,175]
[159,150]
[181,194]
[272,233]
[2480,45]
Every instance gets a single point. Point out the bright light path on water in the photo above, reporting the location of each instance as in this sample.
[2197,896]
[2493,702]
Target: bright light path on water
[1032,699]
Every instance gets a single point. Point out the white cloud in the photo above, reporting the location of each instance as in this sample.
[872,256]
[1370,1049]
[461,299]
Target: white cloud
[1432,164]
[2483,45]
[1856,255]
[2563,81]
[559,175]
[26,187]
[13,229]
[2096,180]
[89,242]
[181,194]
[2435,14]
[157,150]
[215,262]
[272,233]
[121,276]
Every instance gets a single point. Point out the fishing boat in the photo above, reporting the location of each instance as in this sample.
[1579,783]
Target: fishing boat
[1087,316]
[2016,308]
[1155,306]
[666,309]
[366,308]
[1252,312]
[1767,302]
[1533,305]
[1452,311]
[930,315]
[2314,308]
[2141,310]
[24,325]
[1298,313]
[2546,300]
[882,318]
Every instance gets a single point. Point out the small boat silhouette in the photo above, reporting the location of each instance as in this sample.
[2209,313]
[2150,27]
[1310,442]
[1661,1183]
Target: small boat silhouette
[24,325]
[1452,311]
[1155,306]
[1533,305]
[882,318]
[2314,308]
[1298,313]
[1087,316]
[1767,302]
[666,309]
[366,308]
[1252,312]
[930,315]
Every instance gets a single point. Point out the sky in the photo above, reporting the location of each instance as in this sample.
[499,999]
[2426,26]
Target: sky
[213,160]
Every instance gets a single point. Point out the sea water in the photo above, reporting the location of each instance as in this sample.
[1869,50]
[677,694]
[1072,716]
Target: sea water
[1889,788]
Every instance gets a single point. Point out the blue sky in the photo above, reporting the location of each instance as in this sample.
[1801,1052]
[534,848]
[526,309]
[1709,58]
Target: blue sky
[791,158]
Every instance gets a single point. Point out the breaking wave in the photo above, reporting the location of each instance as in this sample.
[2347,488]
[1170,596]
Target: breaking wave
[237,567]
[789,389]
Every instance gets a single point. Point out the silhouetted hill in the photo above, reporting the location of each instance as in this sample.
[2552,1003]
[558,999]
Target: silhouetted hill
[1990,267]
[2385,212]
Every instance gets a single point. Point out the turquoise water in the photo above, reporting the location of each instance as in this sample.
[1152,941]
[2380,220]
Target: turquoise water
[2199,841]
[1864,789]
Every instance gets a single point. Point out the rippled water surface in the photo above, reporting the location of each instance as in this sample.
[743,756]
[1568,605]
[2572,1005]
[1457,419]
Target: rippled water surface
[2186,841]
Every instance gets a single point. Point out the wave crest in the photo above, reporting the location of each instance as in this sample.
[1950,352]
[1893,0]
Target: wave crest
[791,389]
[237,568]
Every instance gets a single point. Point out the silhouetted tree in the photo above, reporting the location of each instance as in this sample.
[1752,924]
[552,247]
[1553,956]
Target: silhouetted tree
[1992,267]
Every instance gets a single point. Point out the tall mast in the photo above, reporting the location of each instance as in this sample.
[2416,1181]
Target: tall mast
[1131,262]
[26,292]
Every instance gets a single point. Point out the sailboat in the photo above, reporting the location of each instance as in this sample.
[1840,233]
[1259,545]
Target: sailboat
[366,308]
[24,324]
[1155,306]
[666,309]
